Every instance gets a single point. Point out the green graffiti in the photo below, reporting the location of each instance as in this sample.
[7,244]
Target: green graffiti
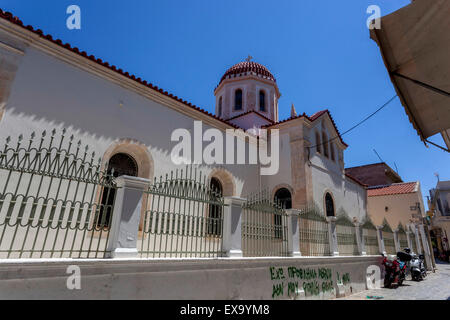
[327,286]
[346,278]
[325,273]
[277,290]
[304,274]
[311,288]
[292,288]
[276,273]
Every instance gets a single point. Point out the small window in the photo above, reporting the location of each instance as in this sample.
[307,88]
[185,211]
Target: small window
[325,144]
[238,100]
[318,143]
[262,101]
[220,107]
[333,157]
[329,205]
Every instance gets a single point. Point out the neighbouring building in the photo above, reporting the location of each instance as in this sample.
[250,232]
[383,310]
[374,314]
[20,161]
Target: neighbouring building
[395,205]
[439,205]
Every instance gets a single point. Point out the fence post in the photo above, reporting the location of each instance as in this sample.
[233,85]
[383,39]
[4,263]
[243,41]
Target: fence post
[126,216]
[408,239]
[293,236]
[232,227]
[359,239]
[396,241]
[417,236]
[380,240]
[426,248]
[332,234]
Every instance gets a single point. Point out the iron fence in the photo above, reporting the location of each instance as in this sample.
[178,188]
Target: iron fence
[388,238]
[402,238]
[314,236]
[183,217]
[54,200]
[369,233]
[346,236]
[264,227]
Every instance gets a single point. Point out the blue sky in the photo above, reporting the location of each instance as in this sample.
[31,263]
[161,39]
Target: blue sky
[319,51]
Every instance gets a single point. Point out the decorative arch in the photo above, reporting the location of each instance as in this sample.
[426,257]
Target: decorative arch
[137,150]
[282,186]
[144,161]
[226,179]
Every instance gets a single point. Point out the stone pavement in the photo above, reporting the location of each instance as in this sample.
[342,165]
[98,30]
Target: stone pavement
[436,286]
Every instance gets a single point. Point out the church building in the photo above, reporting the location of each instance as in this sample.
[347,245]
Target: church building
[47,84]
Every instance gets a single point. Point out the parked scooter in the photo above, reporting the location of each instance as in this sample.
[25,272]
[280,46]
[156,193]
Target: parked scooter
[395,269]
[416,266]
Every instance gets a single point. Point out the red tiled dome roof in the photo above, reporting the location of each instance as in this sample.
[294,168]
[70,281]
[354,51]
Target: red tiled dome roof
[248,66]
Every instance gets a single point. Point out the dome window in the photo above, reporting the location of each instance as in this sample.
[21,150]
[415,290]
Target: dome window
[238,100]
[220,107]
[262,101]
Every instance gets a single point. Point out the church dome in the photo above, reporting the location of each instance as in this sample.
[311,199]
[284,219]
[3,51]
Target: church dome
[248,66]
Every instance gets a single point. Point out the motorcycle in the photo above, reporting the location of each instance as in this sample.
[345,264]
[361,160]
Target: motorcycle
[395,269]
[418,271]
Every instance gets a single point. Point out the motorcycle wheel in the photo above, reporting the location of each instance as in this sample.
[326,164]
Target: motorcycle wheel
[387,281]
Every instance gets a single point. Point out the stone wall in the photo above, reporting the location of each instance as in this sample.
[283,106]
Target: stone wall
[258,278]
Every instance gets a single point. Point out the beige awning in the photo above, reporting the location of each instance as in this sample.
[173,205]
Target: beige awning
[415,44]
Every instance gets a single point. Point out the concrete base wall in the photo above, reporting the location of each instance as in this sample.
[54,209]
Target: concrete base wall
[256,278]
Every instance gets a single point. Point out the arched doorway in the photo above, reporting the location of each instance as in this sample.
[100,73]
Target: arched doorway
[329,205]
[283,196]
[120,164]
[215,211]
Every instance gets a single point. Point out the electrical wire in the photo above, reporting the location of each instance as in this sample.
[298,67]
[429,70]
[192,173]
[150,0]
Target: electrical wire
[359,123]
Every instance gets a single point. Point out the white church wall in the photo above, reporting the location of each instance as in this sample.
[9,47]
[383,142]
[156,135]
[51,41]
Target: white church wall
[347,195]
[284,175]
[48,93]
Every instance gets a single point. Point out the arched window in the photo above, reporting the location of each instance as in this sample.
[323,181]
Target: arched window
[238,100]
[262,101]
[220,107]
[318,142]
[329,205]
[325,144]
[214,223]
[283,196]
[333,157]
[120,164]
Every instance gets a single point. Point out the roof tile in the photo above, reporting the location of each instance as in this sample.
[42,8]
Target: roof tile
[396,188]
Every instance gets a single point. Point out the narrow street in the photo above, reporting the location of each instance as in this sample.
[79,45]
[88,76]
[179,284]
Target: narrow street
[436,286]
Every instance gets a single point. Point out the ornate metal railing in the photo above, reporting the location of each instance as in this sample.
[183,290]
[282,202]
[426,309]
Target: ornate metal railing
[370,238]
[314,236]
[54,200]
[346,235]
[264,227]
[388,238]
[412,239]
[183,217]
